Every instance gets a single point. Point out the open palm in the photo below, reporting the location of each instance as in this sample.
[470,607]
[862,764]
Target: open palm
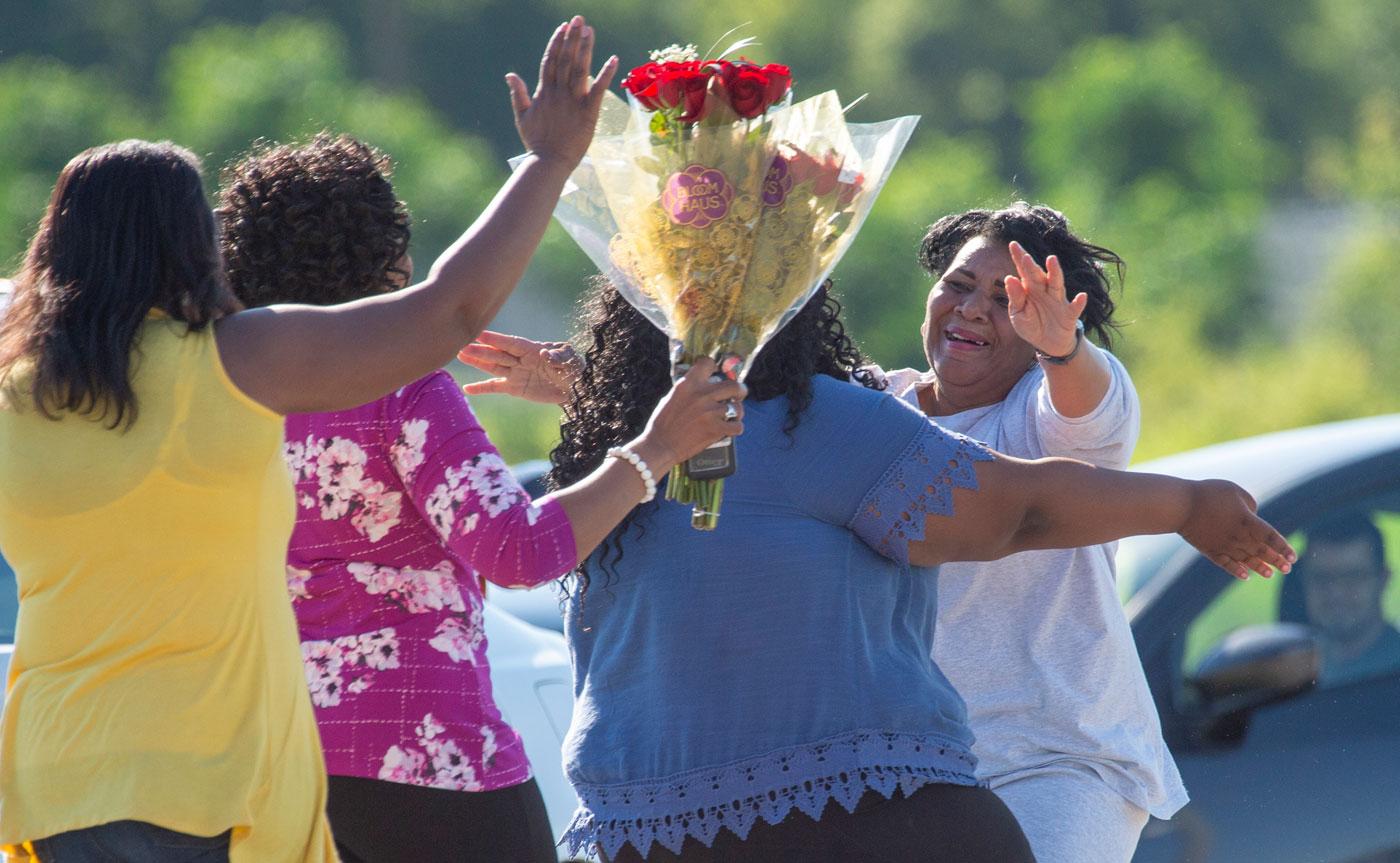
[1040,313]
[535,371]
[558,119]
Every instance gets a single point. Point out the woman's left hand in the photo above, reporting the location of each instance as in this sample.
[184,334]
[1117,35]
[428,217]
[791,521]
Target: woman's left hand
[541,372]
[1040,313]
[1224,526]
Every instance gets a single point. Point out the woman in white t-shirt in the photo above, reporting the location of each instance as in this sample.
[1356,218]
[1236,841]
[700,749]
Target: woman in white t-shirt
[1067,733]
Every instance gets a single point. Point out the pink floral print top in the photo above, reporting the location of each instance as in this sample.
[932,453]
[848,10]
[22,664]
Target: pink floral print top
[400,504]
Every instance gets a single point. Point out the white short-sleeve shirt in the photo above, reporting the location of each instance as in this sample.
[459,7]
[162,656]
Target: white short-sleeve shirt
[1037,642]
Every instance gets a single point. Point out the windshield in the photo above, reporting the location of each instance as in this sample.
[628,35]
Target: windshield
[1141,558]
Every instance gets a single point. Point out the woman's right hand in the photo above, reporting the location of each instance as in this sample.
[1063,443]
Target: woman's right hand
[557,122]
[691,417]
[1223,525]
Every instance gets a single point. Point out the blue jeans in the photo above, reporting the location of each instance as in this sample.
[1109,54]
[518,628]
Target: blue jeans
[131,842]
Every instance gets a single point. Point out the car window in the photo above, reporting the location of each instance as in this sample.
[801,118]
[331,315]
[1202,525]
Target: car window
[1139,559]
[1344,588]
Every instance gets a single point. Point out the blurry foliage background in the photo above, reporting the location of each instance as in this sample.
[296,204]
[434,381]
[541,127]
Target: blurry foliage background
[1243,157]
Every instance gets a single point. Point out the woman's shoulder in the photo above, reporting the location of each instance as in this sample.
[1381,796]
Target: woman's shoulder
[859,413]
[188,361]
[431,410]
[434,390]
[837,396]
[433,397]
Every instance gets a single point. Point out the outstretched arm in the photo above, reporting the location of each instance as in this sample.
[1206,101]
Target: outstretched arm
[1061,503]
[306,358]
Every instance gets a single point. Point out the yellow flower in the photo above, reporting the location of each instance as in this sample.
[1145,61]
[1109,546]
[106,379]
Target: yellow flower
[744,208]
[704,258]
[764,272]
[726,237]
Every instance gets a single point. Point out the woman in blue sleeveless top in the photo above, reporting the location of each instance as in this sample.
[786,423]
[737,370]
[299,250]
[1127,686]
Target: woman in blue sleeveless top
[765,691]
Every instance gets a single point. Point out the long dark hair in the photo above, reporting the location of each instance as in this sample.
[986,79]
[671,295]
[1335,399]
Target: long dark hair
[627,370]
[314,223]
[127,230]
[1041,231]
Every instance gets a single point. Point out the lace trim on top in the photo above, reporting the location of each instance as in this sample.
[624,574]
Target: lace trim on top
[920,483]
[698,803]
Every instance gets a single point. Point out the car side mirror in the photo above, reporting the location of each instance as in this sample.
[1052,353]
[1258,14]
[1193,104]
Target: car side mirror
[1249,668]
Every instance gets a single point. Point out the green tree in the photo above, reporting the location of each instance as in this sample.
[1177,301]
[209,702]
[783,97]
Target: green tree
[1153,145]
[1361,306]
[49,113]
[1117,112]
[286,79]
[1366,167]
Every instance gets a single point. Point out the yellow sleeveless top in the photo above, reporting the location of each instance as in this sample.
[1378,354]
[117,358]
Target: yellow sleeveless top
[157,674]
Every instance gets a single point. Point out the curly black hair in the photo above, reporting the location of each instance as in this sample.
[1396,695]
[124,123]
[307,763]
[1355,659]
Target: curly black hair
[314,223]
[627,370]
[1042,231]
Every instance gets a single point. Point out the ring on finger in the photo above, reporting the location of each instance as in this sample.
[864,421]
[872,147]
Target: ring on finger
[731,412]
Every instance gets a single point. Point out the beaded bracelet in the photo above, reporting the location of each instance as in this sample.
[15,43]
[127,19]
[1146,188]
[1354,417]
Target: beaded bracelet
[628,456]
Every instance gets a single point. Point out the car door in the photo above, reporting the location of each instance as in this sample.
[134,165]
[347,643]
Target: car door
[1312,778]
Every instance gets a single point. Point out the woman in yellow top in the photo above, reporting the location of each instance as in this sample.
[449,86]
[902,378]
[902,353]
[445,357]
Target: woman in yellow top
[156,707]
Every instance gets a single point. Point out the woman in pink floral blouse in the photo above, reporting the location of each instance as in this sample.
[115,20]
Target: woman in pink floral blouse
[402,502]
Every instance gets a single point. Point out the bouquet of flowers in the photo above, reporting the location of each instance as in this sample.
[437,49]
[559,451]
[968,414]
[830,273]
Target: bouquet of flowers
[717,206]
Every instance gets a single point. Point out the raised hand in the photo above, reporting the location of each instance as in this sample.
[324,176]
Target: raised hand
[1040,313]
[557,122]
[1223,525]
[535,371]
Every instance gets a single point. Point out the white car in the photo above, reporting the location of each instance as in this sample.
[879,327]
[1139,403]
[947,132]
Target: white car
[530,678]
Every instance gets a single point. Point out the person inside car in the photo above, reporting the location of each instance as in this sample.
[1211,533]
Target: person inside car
[1344,579]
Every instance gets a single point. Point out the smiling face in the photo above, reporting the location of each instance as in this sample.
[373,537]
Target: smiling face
[968,338]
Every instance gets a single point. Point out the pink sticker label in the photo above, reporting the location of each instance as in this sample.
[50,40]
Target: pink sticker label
[778,183]
[697,196]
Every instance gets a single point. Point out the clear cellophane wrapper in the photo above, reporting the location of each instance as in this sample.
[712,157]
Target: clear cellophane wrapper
[719,234]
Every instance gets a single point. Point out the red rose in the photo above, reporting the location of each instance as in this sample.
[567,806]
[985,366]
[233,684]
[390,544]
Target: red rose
[823,174]
[684,84]
[663,86]
[846,192]
[747,88]
[641,83]
[779,81]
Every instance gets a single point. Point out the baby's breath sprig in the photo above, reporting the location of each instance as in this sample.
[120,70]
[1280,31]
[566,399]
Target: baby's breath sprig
[675,54]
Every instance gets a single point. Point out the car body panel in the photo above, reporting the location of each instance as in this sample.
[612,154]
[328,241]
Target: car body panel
[1314,778]
[532,685]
